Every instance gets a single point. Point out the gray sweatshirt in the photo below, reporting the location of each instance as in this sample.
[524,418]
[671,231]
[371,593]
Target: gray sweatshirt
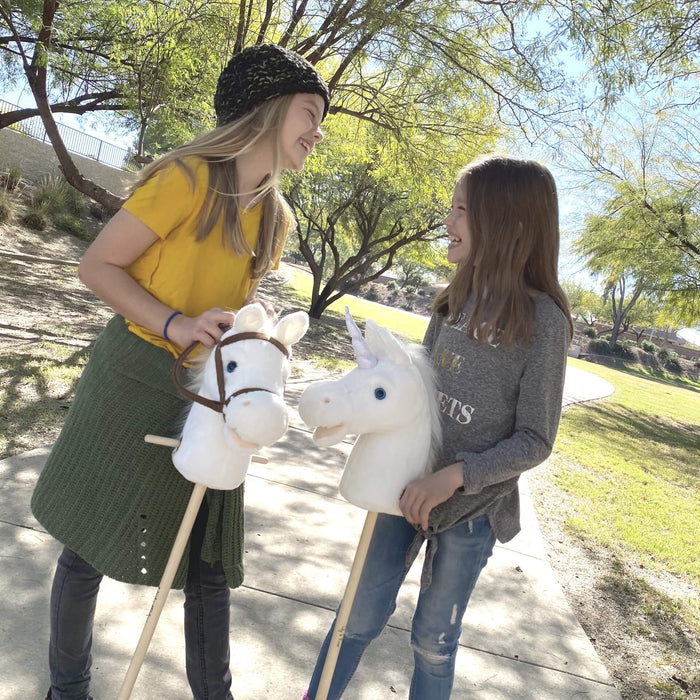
[500,413]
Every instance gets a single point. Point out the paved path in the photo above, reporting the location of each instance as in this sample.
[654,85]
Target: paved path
[521,640]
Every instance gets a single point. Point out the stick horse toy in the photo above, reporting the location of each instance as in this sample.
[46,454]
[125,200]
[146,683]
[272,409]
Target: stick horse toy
[389,401]
[237,409]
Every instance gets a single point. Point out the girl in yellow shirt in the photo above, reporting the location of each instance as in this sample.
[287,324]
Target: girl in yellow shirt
[202,227]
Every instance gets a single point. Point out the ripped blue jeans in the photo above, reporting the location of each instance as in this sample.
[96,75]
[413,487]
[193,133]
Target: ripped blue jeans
[461,554]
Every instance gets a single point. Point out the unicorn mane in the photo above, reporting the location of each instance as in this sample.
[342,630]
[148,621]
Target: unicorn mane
[420,359]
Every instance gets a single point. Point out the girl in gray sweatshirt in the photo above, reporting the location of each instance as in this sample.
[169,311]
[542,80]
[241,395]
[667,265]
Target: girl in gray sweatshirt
[498,339]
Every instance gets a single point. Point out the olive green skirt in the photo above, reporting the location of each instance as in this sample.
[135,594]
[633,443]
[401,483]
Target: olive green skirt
[111,497]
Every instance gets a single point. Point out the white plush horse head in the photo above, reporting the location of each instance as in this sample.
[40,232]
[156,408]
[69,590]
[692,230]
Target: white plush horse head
[390,401]
[239,405]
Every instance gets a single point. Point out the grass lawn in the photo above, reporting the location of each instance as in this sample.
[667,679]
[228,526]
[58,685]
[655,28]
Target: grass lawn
[631,464]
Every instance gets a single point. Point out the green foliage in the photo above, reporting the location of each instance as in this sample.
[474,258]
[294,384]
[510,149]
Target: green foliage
[590,332]
[363,198]
[391,285]
[649,347]
[599,347]
[648,233]
[623,349]
[663,354]
[673,362]
[584,303]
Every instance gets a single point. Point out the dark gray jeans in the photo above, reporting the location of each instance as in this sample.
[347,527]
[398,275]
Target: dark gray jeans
[73,601]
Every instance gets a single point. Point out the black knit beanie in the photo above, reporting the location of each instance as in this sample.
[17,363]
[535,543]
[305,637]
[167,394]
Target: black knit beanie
[258,74]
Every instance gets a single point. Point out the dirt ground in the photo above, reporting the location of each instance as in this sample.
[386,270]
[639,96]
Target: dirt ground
[625,610]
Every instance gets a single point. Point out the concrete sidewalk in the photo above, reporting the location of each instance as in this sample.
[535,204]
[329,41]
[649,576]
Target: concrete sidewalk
[521,640]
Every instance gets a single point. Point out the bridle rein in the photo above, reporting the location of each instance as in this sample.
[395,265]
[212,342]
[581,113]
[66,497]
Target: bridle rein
[223,401]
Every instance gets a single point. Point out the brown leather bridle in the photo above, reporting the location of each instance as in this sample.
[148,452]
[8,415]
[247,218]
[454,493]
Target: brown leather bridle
[223,401]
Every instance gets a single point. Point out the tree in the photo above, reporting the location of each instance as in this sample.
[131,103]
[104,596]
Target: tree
[583,302]
[399,64]
[355,220]
[622,301]
[648,233]
[419,260]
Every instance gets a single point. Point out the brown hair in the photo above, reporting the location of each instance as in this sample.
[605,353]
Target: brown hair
[513,223]
[219,148]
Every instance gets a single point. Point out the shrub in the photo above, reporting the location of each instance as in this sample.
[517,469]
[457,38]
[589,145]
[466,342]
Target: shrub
[50,195]
[391,285]
[673,362]
[623,349]
[11,177]
[71,224]
[36,219]
[599,347]
[648,346]
[75,201]
[370,292]
[409,289]
[7,208]
[56,196]
[590,332]
[663,354]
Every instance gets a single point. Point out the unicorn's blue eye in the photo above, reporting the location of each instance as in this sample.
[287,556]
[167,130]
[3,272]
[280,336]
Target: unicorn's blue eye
[231,366]
[379,393]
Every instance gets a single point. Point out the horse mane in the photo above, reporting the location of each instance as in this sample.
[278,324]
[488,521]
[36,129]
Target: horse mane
[420,359]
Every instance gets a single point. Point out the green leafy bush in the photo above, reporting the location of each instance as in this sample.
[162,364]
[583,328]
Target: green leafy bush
[648,346]
[663,354]
[590,332]
[624,349]
[673,362]
[391,285]
[599,347]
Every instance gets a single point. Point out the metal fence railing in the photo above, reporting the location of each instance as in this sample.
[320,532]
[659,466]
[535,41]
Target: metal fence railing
[76,141]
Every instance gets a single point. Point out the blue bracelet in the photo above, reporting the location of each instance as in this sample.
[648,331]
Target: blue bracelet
[167,323]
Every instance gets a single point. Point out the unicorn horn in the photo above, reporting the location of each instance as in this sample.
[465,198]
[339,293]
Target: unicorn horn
[365,358]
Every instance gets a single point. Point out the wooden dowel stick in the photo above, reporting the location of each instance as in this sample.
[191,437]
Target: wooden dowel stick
[341,620]
[174,442]
[166,580]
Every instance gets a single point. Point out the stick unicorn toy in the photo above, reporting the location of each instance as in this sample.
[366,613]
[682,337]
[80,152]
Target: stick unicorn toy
[238,409]
[389,400]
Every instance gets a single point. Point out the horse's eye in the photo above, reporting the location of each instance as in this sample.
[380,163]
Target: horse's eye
[231,366]
[379,393]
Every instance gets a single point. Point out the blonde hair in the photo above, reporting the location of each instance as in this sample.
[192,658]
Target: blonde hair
[219,149]
[513,222]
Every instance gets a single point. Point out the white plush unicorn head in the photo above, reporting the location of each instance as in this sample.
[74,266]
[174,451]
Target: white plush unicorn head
[390,401]
[239,407]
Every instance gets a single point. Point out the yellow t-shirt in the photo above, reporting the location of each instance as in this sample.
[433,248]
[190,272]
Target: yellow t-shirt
[184,274]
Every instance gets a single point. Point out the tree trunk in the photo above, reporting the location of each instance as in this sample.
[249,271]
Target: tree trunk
[36,77]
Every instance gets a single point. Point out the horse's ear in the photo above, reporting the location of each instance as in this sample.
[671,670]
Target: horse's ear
[250,318]
[384,345]
[291,328]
